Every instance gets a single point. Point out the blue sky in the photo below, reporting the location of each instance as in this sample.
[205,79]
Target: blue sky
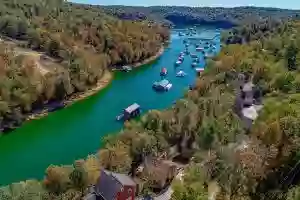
[291,4]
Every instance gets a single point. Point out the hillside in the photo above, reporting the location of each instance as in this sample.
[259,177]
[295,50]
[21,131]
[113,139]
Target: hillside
[59,49]
[225,17]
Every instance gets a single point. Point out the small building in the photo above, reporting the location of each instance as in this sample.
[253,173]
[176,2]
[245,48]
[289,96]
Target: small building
[132,111]
[114,186]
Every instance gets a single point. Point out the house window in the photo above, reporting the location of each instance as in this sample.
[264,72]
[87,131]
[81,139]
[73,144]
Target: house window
[129,191]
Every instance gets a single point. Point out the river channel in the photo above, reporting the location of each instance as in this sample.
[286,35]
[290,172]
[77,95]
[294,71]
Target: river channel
[74,132]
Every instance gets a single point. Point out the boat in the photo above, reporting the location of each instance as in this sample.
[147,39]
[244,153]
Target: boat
[196,60]
[126,68]
[194,55]
[180,73]
[178,62]
[184,41]
[180,34]
[199,49]
[186,52]
[181,58]
[163,71]
[199,70]
[131,111]
[186,45]
[194,64]
[163,85]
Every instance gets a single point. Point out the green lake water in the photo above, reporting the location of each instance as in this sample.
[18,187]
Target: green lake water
[76,131]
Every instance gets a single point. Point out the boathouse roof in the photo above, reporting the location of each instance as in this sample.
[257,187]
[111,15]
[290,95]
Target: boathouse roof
[132,108]
[164,82]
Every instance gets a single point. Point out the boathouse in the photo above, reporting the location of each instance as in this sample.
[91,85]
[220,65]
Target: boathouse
[162,85]
[132,111]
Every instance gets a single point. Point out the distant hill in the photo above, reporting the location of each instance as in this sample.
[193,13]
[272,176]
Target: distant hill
[200,15]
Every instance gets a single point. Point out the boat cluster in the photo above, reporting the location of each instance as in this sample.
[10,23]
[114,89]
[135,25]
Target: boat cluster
[189,32]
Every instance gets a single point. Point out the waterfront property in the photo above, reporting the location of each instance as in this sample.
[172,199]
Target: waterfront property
[113,186]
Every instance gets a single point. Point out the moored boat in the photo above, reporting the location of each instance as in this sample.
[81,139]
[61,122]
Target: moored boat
[199,49]
[126,68]
[194,55]
[180,73]
[199,70]
[163,71]
[196,60]
[194,64]
[178,62]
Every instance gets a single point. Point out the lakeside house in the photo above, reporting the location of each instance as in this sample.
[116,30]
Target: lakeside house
[112,186]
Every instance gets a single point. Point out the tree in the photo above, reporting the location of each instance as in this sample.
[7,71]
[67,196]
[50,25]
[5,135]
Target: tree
[79,177]
[290,56]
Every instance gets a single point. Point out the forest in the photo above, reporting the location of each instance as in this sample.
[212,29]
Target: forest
[223,17]
[51,50]
[239,163]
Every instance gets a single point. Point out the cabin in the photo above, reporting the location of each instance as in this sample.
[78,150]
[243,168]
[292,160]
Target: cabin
[162,85]
[132,111]
[112,186]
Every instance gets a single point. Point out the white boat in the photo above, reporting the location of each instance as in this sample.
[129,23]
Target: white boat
[178,62]
[199,70]
[180,73]
[194,64]
[199,49]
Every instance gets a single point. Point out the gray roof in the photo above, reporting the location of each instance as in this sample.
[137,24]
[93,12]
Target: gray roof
[132,108]
[108,186]
[248,87]
[123,179]
[164,82]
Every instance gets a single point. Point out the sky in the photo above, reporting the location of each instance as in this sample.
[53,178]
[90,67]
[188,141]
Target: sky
[289,4]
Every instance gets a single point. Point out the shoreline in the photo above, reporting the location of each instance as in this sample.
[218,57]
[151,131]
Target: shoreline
[102,83]
[146,61]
